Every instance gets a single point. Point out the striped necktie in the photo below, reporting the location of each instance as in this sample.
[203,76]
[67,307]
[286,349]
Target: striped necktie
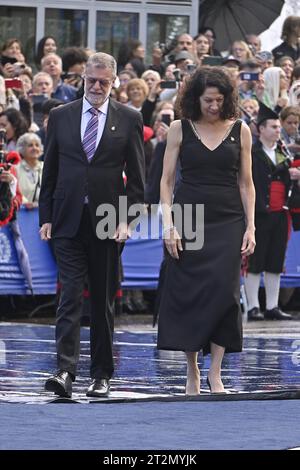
[90,134]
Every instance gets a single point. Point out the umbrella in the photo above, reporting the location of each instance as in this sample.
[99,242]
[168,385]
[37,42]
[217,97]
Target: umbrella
[233,19]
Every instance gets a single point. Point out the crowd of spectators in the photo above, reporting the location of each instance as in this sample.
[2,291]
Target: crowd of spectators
[29,91]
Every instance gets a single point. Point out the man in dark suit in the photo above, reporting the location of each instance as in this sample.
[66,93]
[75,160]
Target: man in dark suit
[89,143]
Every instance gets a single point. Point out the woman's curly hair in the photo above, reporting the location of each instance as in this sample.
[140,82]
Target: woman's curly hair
[188,102]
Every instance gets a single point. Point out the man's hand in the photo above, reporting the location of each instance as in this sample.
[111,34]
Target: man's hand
[45,232]
[122,233]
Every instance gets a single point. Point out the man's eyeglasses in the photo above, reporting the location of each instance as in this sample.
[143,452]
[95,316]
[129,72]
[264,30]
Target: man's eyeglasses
[102,83]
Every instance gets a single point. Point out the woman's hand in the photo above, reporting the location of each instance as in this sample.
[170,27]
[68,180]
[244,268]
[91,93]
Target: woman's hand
[162,132]
[248,245]
[155,91]
[122,233]
[173,242]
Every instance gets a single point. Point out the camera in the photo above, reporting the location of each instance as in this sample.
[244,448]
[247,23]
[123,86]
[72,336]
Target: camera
[191,68]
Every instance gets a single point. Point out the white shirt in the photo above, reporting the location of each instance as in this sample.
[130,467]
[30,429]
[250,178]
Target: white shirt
[86,116]
[271,152]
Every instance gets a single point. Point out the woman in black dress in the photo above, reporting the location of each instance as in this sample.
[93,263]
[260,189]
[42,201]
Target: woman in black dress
[200,301]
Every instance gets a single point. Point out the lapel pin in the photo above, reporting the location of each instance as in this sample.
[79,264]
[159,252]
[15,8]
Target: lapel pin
[113,128]
[232,138]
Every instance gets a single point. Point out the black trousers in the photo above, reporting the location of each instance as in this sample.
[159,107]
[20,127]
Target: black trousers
[77,257]
[271,243]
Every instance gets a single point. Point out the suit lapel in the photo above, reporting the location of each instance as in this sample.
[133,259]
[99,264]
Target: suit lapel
[75,118]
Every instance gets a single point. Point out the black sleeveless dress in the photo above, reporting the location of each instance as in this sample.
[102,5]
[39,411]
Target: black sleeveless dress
[200,295]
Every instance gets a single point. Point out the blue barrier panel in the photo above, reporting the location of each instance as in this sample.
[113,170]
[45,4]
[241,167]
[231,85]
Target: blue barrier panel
[141,260]
[42,264]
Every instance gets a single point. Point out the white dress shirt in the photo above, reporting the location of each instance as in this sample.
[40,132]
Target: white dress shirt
[271,152]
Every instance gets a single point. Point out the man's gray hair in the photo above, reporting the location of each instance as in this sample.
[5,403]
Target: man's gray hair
[39,75]
[51,54]
[103,60]
[26,140]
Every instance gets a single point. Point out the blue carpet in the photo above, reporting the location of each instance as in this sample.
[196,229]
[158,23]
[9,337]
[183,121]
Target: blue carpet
[161,426]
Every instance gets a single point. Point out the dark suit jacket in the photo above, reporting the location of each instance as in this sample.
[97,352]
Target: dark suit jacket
[68,177]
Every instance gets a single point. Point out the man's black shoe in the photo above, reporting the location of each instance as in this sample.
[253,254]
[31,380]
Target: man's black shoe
[60,384]
[255,315]
[98,388]
[277,314]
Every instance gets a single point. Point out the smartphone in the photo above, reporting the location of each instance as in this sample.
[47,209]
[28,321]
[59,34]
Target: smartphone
[249,76]
[213,60]
[166,118]
[13,83]
[191,68]
[168,84]
[19,68]
[69,75]
[8,60]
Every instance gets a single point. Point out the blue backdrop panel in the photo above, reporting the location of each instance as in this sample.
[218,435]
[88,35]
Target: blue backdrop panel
[11,278]
[141,260]
[41,260]
[291,276]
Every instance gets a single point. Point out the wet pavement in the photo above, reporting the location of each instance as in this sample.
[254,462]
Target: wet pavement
[270,362]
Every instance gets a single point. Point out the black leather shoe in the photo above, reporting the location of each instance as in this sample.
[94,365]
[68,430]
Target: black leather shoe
[60,384]
[98,388]
[277,314]
[255,315]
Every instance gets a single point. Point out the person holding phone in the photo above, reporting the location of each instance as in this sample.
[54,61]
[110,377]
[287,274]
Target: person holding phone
[251,82]
[199,308]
